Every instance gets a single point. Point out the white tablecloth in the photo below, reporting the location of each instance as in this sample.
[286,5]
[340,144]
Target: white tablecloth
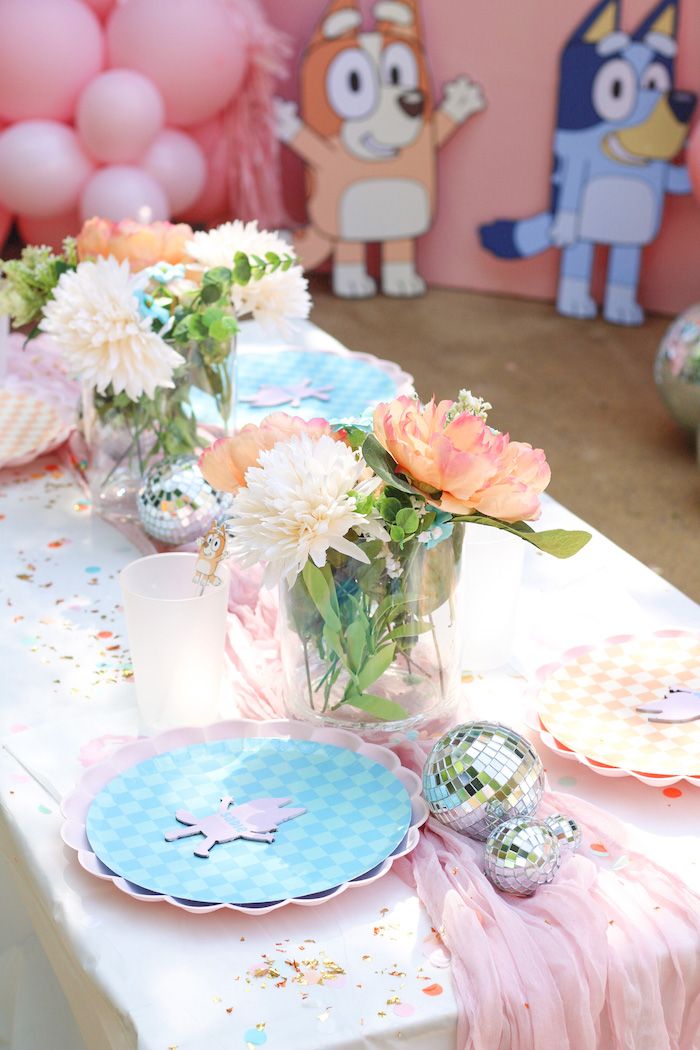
[156,978]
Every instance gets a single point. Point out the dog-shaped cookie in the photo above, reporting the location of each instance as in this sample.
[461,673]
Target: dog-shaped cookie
[369,133]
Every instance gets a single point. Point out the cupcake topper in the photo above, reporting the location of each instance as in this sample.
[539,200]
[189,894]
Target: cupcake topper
[213,549]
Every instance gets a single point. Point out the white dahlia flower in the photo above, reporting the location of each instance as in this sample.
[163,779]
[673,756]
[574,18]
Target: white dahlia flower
[94,318]
[297,504]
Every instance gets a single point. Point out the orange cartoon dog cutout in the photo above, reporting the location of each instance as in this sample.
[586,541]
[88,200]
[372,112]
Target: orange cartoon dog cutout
[369,132]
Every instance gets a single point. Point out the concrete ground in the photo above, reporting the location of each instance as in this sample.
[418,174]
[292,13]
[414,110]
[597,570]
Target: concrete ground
[582,390]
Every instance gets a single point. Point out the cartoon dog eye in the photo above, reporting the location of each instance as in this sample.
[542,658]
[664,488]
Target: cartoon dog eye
[351,84]
[214,543]
[656,78]
[399,67]
[615,90]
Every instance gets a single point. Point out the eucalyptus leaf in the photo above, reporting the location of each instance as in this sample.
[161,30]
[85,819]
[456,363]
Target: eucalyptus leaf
[379,706]
[376,665]
[317,586]
[355,644]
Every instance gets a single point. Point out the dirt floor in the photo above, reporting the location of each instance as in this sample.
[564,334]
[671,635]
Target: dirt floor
[582,390]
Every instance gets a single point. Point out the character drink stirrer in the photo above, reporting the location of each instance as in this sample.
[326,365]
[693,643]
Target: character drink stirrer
[213,549]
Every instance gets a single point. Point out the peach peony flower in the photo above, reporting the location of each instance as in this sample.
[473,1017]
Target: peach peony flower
[224,464]
[475,468]
[141,244]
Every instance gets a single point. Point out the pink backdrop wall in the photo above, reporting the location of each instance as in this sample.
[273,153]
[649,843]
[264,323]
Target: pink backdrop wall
[498,165]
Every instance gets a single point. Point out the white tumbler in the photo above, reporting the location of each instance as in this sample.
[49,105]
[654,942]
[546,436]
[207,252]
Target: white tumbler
[492,569]
[177,639]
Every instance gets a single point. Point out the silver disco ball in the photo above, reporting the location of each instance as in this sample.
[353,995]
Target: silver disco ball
[521,855]
[677,369]
[480,774]
[566,831]
[176,504]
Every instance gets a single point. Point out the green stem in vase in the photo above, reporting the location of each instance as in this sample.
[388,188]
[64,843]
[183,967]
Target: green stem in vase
[308,673]
[437,653]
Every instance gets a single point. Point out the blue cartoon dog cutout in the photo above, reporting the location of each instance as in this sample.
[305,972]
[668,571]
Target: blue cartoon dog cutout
[621,123]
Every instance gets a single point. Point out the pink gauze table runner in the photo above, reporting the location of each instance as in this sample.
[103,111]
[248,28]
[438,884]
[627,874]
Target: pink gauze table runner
[605,958]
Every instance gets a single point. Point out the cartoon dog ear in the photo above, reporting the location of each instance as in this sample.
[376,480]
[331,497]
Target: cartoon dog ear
[659,28]
[397,16]
[598,23]
[341,18]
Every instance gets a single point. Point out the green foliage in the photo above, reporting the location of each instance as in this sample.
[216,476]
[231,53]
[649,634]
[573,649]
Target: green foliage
[561,543]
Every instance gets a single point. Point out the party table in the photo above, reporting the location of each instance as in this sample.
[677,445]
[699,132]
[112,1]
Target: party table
[362,970]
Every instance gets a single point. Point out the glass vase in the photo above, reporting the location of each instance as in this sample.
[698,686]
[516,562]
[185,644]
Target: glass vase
[124,438]
[375,647]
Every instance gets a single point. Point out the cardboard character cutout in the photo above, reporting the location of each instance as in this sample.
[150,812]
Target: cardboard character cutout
[620,124]
[368,131]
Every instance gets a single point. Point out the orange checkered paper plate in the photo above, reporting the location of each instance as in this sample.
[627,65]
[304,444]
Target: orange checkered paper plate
[28,427]
[588,707]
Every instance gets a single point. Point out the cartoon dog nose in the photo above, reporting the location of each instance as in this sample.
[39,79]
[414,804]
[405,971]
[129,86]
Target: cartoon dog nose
[412,103]
[682,104]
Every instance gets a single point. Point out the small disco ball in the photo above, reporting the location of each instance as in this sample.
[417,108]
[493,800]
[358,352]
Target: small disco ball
[677,369]
[480,774]
[176,504]
[521,855]
[566,831]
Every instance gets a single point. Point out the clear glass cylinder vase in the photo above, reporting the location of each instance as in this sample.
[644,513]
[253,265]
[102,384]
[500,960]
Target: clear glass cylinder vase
[375,647]
[124,438]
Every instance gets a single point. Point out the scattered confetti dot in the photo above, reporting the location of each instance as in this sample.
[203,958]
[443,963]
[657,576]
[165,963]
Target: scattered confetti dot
[44,809]
[81,505]
[566,782]
[92,569]
[433,989]
[598,847]
[672,792]
[254,1037]
[621,862]
[404,1009]
[104,634]
[18,727]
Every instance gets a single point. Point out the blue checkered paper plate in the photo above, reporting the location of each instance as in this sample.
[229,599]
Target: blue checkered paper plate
[362,810]
[306,383]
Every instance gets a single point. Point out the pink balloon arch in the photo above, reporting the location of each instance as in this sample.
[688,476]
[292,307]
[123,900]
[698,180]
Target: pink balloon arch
[128,109]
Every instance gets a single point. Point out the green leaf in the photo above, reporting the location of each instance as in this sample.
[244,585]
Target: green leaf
[379,706]
[376,665]
[408,520]
[221,329]
[384,466]
[354,436]
[389,508]
[409,630]
[355,642]
[211,293]
[241,268]
[317,586]
[217,275]
[273,258]
[561,543]
[397,534]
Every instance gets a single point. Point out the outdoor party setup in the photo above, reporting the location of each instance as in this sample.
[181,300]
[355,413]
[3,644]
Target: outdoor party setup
[323,725]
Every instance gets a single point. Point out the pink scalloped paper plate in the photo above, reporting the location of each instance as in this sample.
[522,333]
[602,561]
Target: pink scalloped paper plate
[615,660]
[75,806]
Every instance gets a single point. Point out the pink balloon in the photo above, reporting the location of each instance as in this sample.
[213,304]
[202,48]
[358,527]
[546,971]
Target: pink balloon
[119,114]
[194,51]
[124,192]
[5,224]
[179,165]
[51,231]
[212,205]
[693,159]
[42,168]
[49,50]
[101,7]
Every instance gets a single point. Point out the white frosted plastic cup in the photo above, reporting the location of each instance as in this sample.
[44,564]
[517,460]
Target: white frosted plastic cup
[491,578]
[176,639]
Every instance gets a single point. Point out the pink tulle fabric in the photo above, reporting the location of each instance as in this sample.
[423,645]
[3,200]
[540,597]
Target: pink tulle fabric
[251,159]
[607,957]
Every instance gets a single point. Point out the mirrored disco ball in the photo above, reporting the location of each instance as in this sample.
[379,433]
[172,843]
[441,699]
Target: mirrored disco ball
[566,831]
[176,504]
[480,774]
[677,369]
[521,855]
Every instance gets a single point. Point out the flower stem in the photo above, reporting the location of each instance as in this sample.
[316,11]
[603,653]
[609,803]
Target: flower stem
[437,653]
[308,674]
